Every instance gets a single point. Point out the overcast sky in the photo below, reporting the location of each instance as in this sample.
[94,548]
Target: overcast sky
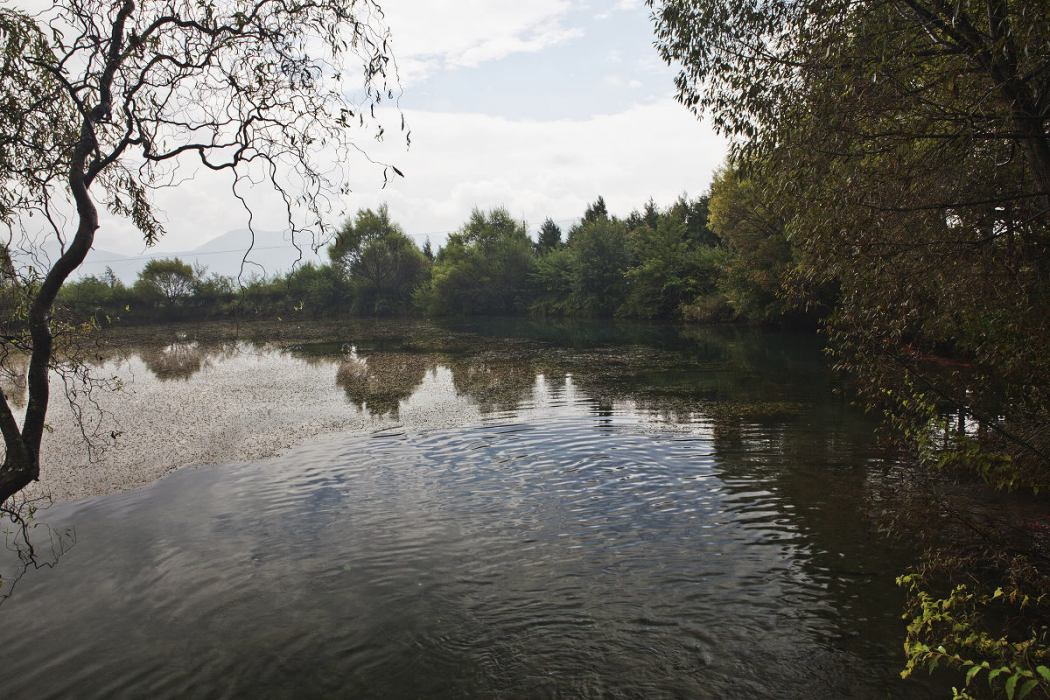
[536,105]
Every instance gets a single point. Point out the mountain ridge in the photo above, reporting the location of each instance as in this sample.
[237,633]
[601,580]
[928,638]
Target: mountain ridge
[271,254]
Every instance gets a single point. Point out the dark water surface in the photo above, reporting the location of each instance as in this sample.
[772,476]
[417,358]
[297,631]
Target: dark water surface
[628,511]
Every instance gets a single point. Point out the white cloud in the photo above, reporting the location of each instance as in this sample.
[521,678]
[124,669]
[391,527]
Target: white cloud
[434,35]
[618,81]
[547,168]
[537,168]
[459,161]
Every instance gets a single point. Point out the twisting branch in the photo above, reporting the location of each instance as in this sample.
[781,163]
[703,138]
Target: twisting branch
[103,102]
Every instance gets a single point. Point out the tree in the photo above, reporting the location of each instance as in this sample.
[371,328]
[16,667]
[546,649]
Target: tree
[111,279]
[552,280]
[669,270]
[100,299]
[357,232]
[595,211]
[601,257]
[102,102]
[549,237]
[760,257]
[213,293]
[905,146]
[169,280]
[383,265]
[742,62]
[485,268]
[313,290]
[694,214]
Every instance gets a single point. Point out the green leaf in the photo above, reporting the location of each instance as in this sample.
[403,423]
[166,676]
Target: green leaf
[1011,685]
[1044,672]
[971,673]
[1028,687]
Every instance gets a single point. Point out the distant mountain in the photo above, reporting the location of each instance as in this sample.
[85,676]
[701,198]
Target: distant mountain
[125,267]
[272,253]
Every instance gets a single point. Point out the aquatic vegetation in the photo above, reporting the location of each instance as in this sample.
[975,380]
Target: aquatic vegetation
[997,636]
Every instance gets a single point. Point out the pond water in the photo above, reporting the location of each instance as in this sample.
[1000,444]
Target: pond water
[520,510]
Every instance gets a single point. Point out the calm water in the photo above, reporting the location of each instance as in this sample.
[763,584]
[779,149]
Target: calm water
[621,511]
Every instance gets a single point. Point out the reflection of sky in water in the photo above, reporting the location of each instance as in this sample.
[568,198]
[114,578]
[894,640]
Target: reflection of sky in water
[536,524]
[540,553]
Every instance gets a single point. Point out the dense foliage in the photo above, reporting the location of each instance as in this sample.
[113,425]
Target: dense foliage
[484,268]
[679,263]
[381,264]
[900,150]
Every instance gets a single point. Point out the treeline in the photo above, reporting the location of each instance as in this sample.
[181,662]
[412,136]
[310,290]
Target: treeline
[706,259]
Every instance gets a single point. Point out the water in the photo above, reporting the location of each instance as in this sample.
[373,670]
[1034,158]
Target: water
[614,511]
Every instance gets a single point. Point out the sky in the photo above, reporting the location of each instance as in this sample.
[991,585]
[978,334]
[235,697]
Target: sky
[539,106]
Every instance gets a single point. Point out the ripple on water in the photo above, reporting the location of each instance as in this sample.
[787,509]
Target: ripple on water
[568,555]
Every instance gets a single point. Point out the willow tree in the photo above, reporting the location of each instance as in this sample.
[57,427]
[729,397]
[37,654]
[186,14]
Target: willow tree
[103,102]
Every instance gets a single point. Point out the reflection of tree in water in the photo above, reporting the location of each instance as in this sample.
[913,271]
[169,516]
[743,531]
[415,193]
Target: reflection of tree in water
[809,468]
[494,384]
[556,381]
[790,455]
[30,544]
[604,376]
[782,443]
[182,359]
[379,382]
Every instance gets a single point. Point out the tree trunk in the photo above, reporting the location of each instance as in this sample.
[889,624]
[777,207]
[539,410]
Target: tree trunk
[22,462]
